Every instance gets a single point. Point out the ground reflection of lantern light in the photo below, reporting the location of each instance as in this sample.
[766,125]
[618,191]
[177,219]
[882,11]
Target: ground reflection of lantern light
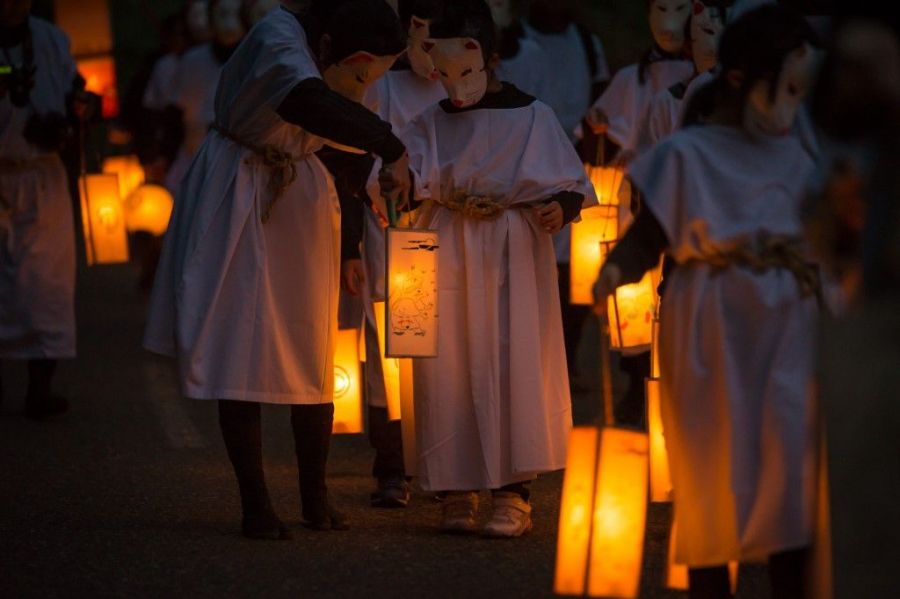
[148,208]
[601,529]
[347,397]
[587,253]
[630,311]
[660,480]
[103,220]
[129,170]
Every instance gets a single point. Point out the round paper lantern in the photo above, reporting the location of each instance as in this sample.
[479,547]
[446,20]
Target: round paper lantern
[148,208]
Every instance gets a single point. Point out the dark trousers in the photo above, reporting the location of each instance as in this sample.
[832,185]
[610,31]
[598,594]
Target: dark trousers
[386,438]
[572,319]
[40,376]
[786,575]
[630,410]
[241,425]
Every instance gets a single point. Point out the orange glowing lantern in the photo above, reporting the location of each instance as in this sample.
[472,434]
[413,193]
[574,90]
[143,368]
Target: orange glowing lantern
[100,77]
[348,417]
[130,171]
[412,300]
[654,347]
[390,367]
[148,208]
[591,240]
[660,479]
[601,522]
[103,220]
[607,182]
[677,574]
[631,310]
[408,421]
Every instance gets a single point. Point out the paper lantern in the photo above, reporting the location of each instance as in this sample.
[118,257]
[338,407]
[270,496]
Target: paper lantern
[348,417]
[601,525]
[129,170]
[660,479]
[100,78]
[591,240]
[408,420]
[631,310]
[148,208]
[654,347]
[607,182]
[677,574]
[390,367]
[103,220]
[411,325]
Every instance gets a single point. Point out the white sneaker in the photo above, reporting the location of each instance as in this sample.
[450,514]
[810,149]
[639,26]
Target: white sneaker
[459,512]
[511,516]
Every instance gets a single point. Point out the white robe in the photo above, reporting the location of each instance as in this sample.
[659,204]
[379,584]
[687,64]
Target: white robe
[736,347]
[494,407]
[397,98]
[37,235]
[626,101]
[194,92]
[250,309]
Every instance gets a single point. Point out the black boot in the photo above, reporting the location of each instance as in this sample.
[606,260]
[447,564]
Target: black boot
[312,434]
[242,432]
[40,403]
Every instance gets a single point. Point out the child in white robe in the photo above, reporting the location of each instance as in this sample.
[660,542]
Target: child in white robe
[493,408]
[739,314]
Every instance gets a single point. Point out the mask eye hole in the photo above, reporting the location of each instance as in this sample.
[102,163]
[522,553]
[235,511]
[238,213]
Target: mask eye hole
[466,72]
[443,74]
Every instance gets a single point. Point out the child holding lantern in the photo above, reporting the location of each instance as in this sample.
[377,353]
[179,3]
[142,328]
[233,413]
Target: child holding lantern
[493,409]
[739,312]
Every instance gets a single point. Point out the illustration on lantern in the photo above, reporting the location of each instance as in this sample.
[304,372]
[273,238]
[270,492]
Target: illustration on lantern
[411,306]
[411,293]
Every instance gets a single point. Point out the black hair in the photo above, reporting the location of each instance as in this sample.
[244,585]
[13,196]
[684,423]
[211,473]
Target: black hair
[364,25]
[424,9]
[756,44]
[467,18]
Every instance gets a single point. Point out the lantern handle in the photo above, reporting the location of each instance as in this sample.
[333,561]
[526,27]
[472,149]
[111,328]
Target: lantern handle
[606,371]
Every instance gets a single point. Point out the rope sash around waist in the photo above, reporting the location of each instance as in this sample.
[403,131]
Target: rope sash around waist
[282,167]
[772,252]
[477,206]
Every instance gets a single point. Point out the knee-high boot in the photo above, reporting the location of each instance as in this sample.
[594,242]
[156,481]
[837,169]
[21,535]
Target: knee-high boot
[241,425]
[312,435]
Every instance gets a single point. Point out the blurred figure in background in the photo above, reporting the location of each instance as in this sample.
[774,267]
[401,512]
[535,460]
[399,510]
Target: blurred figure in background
[522,61]
[257,9]
[40,91]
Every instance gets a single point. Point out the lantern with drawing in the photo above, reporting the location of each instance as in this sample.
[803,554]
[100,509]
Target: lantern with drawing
[411,288]
[103,219]
[129,170]
[631,309]
[348,417]
[148,208]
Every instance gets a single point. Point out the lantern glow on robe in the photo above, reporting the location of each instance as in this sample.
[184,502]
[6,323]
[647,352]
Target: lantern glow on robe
[677,574]
[603,513]
[654,348]
[148,208]
[129,170]
[588,250]
[408,421]
[412,299]
[631,310]
[390,367]
[348,417]
[103,220]
[660,479]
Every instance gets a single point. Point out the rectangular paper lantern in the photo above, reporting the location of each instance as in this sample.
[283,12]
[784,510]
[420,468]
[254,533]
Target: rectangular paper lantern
[100,76]
[130,171]
[660,479]
[408,420]
[631,310]
[348,417]
[390,367]
[103,219]
[603,514]
[588,250]
[607,181]
[412,306]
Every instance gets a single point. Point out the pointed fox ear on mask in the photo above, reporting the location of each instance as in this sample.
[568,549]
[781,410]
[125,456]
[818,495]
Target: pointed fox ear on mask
[353,75]
[419,60]
[460,64]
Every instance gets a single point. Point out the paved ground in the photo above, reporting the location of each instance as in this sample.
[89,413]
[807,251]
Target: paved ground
[130,495]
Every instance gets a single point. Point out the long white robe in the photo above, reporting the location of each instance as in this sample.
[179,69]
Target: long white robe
[398,97]
[37,235]
[736,347]
[250,309]
[494,407]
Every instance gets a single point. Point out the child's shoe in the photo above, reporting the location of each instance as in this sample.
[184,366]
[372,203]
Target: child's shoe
[511,516]
[392,492]
[459,511]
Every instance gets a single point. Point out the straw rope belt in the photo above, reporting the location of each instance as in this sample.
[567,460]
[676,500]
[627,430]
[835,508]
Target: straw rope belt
[282,167]
[772,252]
[474,206]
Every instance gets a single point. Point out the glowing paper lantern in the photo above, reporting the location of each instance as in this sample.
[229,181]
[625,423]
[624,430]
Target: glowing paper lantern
[103,220]
[100,77]
[631,310]
[587,253]
[607,182]
[408,421]
[348,417]
[411,283]
[660,479]
[654,348]
[130,171]
[390,367]
[601,525]
[677,574]
[148,208]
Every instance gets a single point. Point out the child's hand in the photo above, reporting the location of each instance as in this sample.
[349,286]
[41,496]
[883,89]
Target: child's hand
[395,181]
[607,282]
[353,276]
[549,216]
